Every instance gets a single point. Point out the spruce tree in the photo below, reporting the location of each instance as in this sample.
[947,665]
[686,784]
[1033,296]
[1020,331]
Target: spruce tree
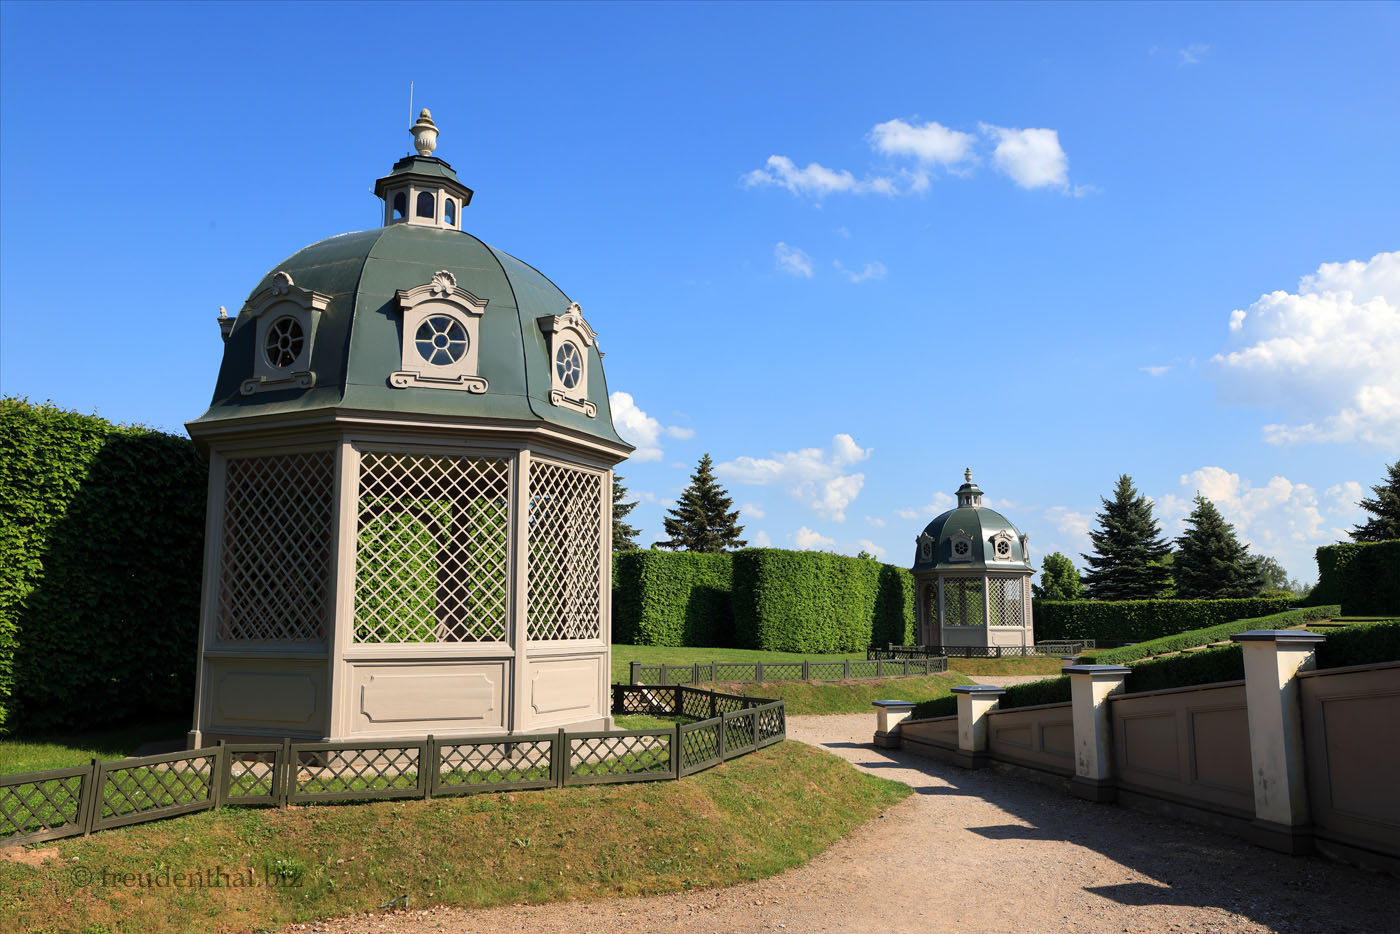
[1128,549]
[1211,563]
[624,537]
[701,521]
[1058,579]
[1384,523]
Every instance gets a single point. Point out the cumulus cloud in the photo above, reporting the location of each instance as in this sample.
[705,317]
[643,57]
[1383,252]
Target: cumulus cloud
[752,510]
[1154,370]
[1031,158]
[941,503]
[1325,354]
[932,143]
[640,429]
[679,433]
[873,270]
[818,478]
[807,540]
[878,523]
[760,539]
[867,545]
[816,180]
[1193,53]
[791,260]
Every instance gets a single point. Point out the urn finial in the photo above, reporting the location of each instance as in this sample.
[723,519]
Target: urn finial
[425,134]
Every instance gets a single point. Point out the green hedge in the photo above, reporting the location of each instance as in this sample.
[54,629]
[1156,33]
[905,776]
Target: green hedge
[1198,637]
[672,598]
[101,531]
[1224,663]
[815,603]
[1139,620]
[1361,644]
[1364,577]
[1030,694]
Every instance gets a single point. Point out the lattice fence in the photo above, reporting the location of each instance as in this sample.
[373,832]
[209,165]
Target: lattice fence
[963,602]
[275,554]
[1004,600]
[762,672]
[565,552]
[135,790]
[432,549]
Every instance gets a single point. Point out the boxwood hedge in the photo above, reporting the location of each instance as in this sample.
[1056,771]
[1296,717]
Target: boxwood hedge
[1139,620]
[814,602]
[101,532]
[1199,637]
[1364,577]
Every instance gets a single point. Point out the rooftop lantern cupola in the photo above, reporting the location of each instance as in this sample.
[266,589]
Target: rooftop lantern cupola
[422,189]
[969,494]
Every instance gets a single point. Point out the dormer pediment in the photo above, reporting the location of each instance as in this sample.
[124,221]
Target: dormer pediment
[285,317]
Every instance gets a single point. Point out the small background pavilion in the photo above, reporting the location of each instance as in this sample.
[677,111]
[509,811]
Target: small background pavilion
[972,575]
[411,455]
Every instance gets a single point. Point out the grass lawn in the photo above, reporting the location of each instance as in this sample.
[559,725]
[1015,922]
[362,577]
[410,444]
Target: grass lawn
[624,655]
[748,819]
[61,752]
[1045,665]
[817,697]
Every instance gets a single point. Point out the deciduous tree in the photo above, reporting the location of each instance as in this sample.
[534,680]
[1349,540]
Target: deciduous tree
[1058,579]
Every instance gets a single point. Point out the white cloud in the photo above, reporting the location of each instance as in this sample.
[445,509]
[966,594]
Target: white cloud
[873,548]
[791,260]
[1154,370]
[752,510]
[844,232]
[816,180]
[1325,354]
[807,540]
[815,477]
[682,434]
[873,270]
[1193,53]
[640,429]
[760,539]
[940,504]
[1345,495]
[1032,158]
[878,523]
[932,143]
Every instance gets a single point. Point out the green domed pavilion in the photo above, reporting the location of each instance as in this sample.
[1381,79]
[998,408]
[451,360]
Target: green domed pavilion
[411,455]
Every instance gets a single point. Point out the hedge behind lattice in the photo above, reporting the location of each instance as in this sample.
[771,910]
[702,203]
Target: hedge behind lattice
[101,528]
[672,598]
[1139,620]
[813,602]
[1364,577]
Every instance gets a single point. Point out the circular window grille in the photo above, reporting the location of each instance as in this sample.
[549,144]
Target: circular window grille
[284,342]
[961,548]
[926,549]
[441,340]
[1003,548]
[569,365]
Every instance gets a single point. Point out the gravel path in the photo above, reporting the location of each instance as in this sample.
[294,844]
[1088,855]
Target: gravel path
[980,852]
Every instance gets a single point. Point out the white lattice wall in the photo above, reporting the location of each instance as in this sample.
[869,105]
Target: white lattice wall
[1004,600]
[963,601]
[565,546]
[275,555]
[432,548]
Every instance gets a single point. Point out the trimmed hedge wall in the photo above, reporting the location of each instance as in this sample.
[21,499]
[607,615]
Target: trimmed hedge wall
[1223,663]
[815,603]
[101,535]
[1360,644]
[1197,637]
[1139,620]
[1364,577]
[672,598]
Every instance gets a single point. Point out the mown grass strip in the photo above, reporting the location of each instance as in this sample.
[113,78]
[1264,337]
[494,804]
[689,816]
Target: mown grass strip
[806,697]
[748,819]
[624,655]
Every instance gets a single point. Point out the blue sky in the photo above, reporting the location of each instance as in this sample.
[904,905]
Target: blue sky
[848,250]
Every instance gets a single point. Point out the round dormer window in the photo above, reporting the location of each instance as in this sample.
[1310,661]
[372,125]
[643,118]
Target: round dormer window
[926,549]
[568,363]
[284,342]
[1003,548]
[961,548]
[441,340]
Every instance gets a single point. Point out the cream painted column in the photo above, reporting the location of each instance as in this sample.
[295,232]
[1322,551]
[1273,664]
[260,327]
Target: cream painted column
[891,713]
[1090,687]
[341,589]
[1272,660]
[975,701]
[209,601]
[520,587]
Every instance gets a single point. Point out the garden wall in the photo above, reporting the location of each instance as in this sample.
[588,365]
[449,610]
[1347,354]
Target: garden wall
[1363,577]
[101,532]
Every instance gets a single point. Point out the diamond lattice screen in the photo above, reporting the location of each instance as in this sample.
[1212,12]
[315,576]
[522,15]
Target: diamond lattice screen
[274,571]
[566,552]
[962,601]
[432,549]
[1004,596]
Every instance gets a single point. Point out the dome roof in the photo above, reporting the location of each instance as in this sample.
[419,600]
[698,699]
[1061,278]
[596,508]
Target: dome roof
[982,529]
[357,342]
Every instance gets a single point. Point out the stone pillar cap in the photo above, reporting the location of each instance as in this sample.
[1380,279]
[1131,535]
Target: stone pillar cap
[892,703]
[1278,635]
[978,689]
[1094,670]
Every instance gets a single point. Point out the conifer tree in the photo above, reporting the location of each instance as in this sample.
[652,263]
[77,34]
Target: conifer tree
[1058,579]
[624,537]
[1384,523]
[1211,563]
[701,521]
[1128,549]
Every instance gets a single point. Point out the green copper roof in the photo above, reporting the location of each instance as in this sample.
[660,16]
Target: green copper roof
[357,342]
[422,167]
[980,524]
